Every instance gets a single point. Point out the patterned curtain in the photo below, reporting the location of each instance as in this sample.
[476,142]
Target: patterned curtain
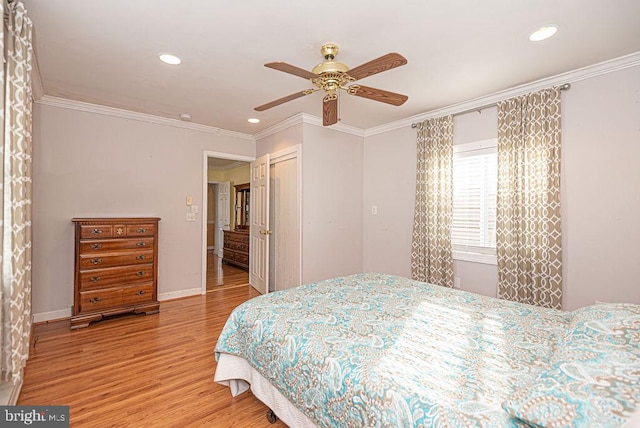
[528,241]
[431,259]
[16,203]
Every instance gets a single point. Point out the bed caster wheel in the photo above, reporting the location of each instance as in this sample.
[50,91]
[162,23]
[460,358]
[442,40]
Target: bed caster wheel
[271,417]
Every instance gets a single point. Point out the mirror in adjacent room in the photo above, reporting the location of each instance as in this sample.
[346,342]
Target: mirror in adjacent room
[242,206]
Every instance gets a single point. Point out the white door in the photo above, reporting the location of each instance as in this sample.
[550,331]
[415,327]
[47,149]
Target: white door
[259,225]
[284,205]
[224,212]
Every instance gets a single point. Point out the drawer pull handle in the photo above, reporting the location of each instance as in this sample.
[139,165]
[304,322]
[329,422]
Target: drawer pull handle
[140,257]
[96,261]
[141,244]
[140,293]
[141,230]
[141,273]
[96,246]
[94,279]
[96,231]
[95,299]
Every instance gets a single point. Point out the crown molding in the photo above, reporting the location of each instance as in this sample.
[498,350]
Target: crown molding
[294,120]
[141,117]
[584,73]
[588,72]
[308,119]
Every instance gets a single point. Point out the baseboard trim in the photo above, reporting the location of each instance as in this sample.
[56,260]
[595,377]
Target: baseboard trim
[66,313]
[178,294]
[9,393]
[53,315]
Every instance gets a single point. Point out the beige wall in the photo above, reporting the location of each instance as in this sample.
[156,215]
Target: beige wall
[87,164]
[332,166]
[238,175]
[215,175]
[389,184]
[601,189]
[600,196]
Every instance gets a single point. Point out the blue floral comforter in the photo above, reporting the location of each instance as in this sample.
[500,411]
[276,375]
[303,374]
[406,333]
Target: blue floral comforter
[375,350]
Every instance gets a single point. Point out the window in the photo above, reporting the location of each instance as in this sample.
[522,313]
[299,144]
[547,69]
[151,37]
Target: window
[475,183]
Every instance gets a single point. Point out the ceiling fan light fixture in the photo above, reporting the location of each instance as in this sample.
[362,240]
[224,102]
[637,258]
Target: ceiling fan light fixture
[543,33]
[169,59]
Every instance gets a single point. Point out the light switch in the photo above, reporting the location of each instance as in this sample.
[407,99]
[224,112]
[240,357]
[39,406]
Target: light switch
[189,200]
[191,217]
[194,209]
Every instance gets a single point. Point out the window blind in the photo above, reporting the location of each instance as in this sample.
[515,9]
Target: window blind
[475,178]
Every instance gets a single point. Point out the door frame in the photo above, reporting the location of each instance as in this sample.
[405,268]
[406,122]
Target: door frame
[206,154]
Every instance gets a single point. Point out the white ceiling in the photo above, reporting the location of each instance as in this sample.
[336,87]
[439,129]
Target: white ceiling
[106,51]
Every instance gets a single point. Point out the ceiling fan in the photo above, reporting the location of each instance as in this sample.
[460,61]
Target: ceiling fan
[331,76]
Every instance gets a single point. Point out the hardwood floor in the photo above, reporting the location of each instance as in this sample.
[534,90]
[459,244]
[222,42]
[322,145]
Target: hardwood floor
[142,370]
[222,276]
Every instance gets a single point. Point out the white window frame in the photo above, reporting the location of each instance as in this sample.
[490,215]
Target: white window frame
[472,253]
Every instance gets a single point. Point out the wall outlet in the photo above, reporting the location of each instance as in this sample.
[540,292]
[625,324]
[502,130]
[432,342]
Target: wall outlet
[194,209]
[191,217]
[456,282]
[374,210]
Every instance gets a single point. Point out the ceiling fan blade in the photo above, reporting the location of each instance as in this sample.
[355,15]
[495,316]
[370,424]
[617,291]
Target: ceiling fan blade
[379,95]
[378,65]
[281,100]
[329,112]
[291,69]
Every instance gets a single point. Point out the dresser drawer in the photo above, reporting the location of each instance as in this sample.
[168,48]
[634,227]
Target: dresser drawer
[238,246]
[99,300]
[96,261]
[111,245]
[235,257]
[99,278]
[137,294]
[231,236]
[96,231]
[140,230]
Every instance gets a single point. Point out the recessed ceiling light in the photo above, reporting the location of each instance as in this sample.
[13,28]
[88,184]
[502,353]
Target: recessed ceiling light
[185,117]
[543,33]
[170,59]
[253,120]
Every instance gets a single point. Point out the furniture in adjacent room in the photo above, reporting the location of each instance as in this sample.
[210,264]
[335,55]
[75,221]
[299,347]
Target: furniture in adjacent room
[235,243]
[116,268]
[243,194]
[235,250]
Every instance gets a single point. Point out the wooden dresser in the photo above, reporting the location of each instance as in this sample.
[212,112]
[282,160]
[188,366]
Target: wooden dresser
[235,248]
[116,268]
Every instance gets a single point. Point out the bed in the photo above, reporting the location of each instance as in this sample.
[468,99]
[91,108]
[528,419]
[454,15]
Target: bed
[375,350]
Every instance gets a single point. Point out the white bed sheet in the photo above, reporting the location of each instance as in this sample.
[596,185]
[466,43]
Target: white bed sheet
[236,373]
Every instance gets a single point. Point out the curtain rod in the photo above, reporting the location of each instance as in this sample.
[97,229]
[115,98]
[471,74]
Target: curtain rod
[563,87]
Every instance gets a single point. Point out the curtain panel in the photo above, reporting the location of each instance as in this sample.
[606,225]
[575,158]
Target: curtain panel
[431,258]
[16,203]
[528,234]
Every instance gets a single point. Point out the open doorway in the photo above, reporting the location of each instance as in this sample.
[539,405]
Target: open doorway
[285,213]
[223,172]
[221,275]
